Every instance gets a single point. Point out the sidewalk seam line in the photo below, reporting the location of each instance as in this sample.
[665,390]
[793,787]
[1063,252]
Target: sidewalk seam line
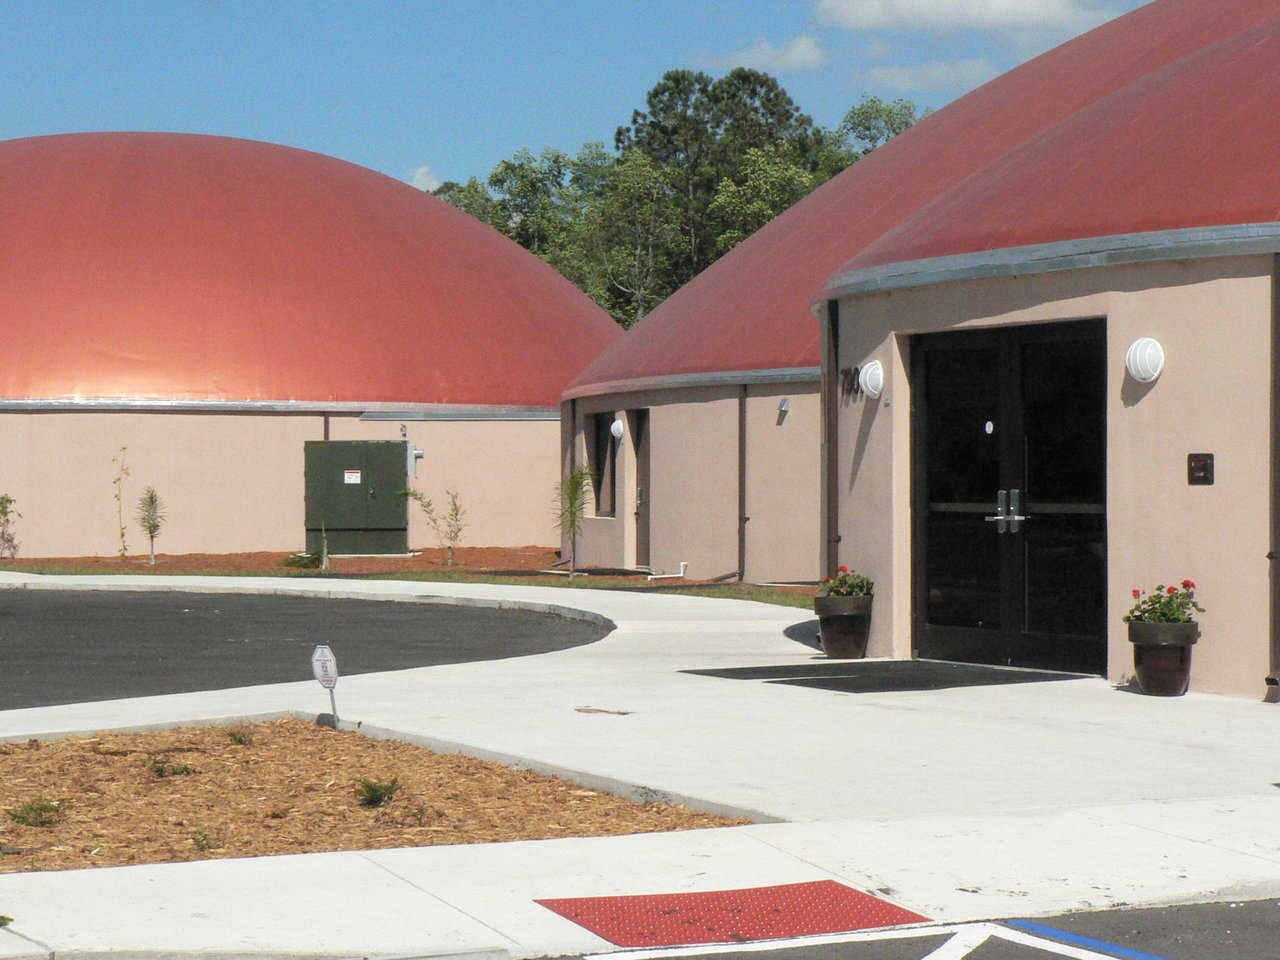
[435,896]
[39,943]
[1185,839]
[855,884]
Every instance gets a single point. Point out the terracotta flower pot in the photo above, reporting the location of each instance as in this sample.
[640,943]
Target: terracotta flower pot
[844,623]
[1162,656]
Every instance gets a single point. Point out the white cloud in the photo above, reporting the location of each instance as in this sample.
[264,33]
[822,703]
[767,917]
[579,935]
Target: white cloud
[947,16]
[796,55]
[876,48]
[931,76]
[424,178]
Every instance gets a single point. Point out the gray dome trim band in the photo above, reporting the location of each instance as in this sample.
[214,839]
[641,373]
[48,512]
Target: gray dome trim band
[714,378]
[1193,243]
[365,411]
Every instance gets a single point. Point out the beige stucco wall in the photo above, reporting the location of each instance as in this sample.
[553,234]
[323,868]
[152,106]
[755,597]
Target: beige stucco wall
[1213,318]
[504,471]
[233,483]
[693,457]
[783,483]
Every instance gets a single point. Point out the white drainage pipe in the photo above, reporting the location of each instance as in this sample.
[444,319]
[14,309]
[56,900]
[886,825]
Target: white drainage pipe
[667,576]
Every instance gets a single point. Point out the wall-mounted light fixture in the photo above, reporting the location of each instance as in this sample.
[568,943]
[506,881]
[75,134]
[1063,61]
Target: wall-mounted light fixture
[784,404]
[615,429]
[1144,359]
[871,379]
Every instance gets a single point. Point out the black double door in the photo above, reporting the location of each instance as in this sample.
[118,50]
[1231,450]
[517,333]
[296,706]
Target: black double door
[1010,496]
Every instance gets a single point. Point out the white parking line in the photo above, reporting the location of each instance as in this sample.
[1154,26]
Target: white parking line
[755,946]
[962,944]
[965,938]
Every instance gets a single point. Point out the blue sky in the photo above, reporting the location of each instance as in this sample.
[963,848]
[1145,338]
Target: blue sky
[428,91]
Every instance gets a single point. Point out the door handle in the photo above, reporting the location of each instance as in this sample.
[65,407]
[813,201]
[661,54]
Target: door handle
[1015,510]
[1001,517]
[1008,517]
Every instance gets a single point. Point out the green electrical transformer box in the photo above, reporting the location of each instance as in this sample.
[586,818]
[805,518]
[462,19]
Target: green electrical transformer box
[355,496]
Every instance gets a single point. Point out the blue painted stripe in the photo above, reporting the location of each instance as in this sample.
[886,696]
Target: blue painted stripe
[1076,940]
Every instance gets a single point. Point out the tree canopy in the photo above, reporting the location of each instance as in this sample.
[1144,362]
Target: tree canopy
[707,163]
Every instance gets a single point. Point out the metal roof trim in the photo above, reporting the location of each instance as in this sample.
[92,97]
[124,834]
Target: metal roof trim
[365,411]
[1182,244]
[711,378]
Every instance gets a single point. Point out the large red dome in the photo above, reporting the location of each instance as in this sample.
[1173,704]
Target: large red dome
[1192,145]
[175,268]
[1161,119]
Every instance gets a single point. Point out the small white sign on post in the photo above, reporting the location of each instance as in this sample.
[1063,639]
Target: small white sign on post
[325,667]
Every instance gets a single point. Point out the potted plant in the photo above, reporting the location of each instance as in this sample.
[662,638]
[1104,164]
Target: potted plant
[1162,633]
[844,614]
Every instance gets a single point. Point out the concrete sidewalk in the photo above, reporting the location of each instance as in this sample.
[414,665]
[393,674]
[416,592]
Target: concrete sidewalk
[959,804]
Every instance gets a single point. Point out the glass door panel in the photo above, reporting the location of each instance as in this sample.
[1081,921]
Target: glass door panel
[963,459]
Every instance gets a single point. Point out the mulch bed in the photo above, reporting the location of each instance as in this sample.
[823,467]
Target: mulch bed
[281,787]
[466,559]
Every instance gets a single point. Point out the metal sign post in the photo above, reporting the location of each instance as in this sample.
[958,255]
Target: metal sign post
[325,667]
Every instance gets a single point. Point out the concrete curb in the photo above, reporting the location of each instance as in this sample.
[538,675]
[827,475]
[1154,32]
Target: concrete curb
[226,721]
[623,788]
[239,587]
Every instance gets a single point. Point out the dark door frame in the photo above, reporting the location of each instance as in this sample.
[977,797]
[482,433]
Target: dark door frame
[1018,642]
[638,422]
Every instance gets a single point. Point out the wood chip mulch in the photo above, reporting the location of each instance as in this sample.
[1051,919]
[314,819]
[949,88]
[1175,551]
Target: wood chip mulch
[285,786]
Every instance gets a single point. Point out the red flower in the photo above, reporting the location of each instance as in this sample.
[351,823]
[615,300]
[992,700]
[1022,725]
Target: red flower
[1188,584]
[1136,593]
[1173,590]
[842,569]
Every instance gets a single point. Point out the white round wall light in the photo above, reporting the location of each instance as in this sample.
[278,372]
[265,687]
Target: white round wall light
[616,429]
[871,379]
[1144,359]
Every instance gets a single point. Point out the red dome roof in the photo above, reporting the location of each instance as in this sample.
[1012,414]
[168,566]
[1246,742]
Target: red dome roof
[1101,135]
[181,268]
[1194,144]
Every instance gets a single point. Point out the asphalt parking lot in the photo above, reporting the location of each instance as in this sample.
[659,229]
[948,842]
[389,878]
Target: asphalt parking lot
[73,646]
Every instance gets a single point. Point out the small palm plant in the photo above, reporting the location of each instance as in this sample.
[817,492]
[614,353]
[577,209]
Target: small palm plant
[571,504]
[151,517]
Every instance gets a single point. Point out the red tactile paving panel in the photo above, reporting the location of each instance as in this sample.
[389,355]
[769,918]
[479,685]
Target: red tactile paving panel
[729,916]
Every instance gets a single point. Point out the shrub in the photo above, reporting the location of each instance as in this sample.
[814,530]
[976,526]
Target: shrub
[374,793]
[8,542]
[162,768]
[205,841]
[122,471]
[448,529]
[36,813]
